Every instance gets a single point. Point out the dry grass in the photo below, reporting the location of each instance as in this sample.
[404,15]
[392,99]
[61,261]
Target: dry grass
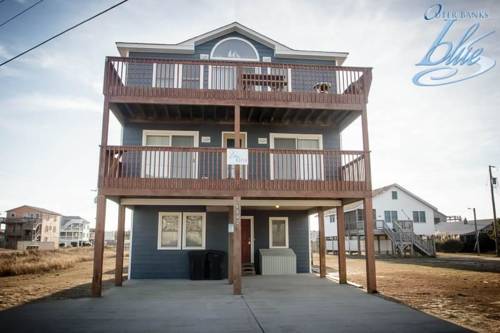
[71,282]
[36,262]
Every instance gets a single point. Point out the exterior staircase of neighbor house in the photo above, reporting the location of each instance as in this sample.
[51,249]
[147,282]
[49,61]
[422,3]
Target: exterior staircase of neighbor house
[405,241]
[37,230]
[247,269]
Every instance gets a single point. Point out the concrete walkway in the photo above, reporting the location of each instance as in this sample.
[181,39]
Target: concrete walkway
[299,303]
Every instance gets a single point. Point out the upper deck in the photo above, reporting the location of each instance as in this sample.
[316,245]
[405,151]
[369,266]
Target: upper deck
[212,82]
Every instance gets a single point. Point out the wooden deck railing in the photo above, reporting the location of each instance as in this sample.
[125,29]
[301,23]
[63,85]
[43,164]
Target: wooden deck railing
[269,171]
[253,83]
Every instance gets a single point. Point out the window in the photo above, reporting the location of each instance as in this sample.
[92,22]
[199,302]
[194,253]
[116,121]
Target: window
[419,216]
[169,231]
[394,195]
[193,231]
[12,214]
[170,164]
[234,48]
[165,75]
[296,166]
[178,231]
[331,218]
[390,215]
[278,232]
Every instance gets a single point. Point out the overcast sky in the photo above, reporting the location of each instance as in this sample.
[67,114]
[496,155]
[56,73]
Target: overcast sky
[435,141]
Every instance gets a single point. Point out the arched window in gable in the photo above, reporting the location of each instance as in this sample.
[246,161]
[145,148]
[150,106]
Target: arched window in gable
[234,48]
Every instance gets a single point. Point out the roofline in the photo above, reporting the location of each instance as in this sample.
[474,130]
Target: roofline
[384,189]
[38,209]
[188,46]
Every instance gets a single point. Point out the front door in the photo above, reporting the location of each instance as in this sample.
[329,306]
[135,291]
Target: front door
[246,241]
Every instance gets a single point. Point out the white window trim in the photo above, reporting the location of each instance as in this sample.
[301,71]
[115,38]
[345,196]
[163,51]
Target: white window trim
[203,230]
[177,77]
[272,136]
[179,231]
[234,59]
[230,134]
[145,133]
[271,219]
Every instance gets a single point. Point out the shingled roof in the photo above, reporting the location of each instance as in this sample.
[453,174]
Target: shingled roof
[37,209]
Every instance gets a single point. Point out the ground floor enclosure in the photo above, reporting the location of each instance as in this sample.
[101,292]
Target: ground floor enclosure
[163,236]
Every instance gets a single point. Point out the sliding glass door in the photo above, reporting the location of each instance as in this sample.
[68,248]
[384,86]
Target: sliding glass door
[170,163]
[305,164]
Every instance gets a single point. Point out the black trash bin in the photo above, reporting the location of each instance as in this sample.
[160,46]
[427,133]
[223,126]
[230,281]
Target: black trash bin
[197,264]
[215,265]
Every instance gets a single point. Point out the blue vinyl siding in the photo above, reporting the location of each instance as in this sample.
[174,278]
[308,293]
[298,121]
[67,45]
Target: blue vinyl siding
[148,262]
[206,48]
[141,74]
[132,135]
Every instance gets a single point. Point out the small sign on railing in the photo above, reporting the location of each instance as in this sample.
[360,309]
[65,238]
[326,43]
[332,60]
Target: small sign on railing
[237,156]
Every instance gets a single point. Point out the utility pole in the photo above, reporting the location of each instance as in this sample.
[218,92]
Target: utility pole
[495,231]
[476,246]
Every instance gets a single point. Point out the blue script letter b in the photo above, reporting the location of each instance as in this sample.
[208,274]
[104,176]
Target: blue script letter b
[426,60]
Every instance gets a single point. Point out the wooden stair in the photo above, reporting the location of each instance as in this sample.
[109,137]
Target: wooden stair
[247,269]
[404,240]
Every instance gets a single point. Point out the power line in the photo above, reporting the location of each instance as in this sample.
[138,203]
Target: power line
[20,13]
[63,32]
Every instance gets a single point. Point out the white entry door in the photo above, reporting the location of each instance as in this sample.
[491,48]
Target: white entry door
[170,164]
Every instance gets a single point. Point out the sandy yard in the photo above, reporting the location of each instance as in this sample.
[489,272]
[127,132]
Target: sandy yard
[463,289]
[70,282]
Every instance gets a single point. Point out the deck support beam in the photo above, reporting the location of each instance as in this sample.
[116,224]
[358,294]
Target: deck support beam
[120,246]
[99,246]
[322,243]
[341,245]
[96,289]
[371,279]
[230,267]
[237,211]
[237,246]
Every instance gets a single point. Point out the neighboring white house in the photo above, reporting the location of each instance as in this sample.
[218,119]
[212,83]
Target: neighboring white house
[390,203]
[74,231]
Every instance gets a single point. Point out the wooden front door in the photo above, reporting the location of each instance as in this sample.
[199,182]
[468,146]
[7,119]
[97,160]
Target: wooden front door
[246,241]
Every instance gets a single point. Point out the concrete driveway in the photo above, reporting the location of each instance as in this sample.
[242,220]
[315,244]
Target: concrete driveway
[299,303]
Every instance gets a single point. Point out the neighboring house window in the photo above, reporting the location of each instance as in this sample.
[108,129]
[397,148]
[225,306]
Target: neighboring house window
[390,215]
[419,216]
[169,231]
[12,214]
[394,195]
[278,232]
[331,218]
[193,231]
